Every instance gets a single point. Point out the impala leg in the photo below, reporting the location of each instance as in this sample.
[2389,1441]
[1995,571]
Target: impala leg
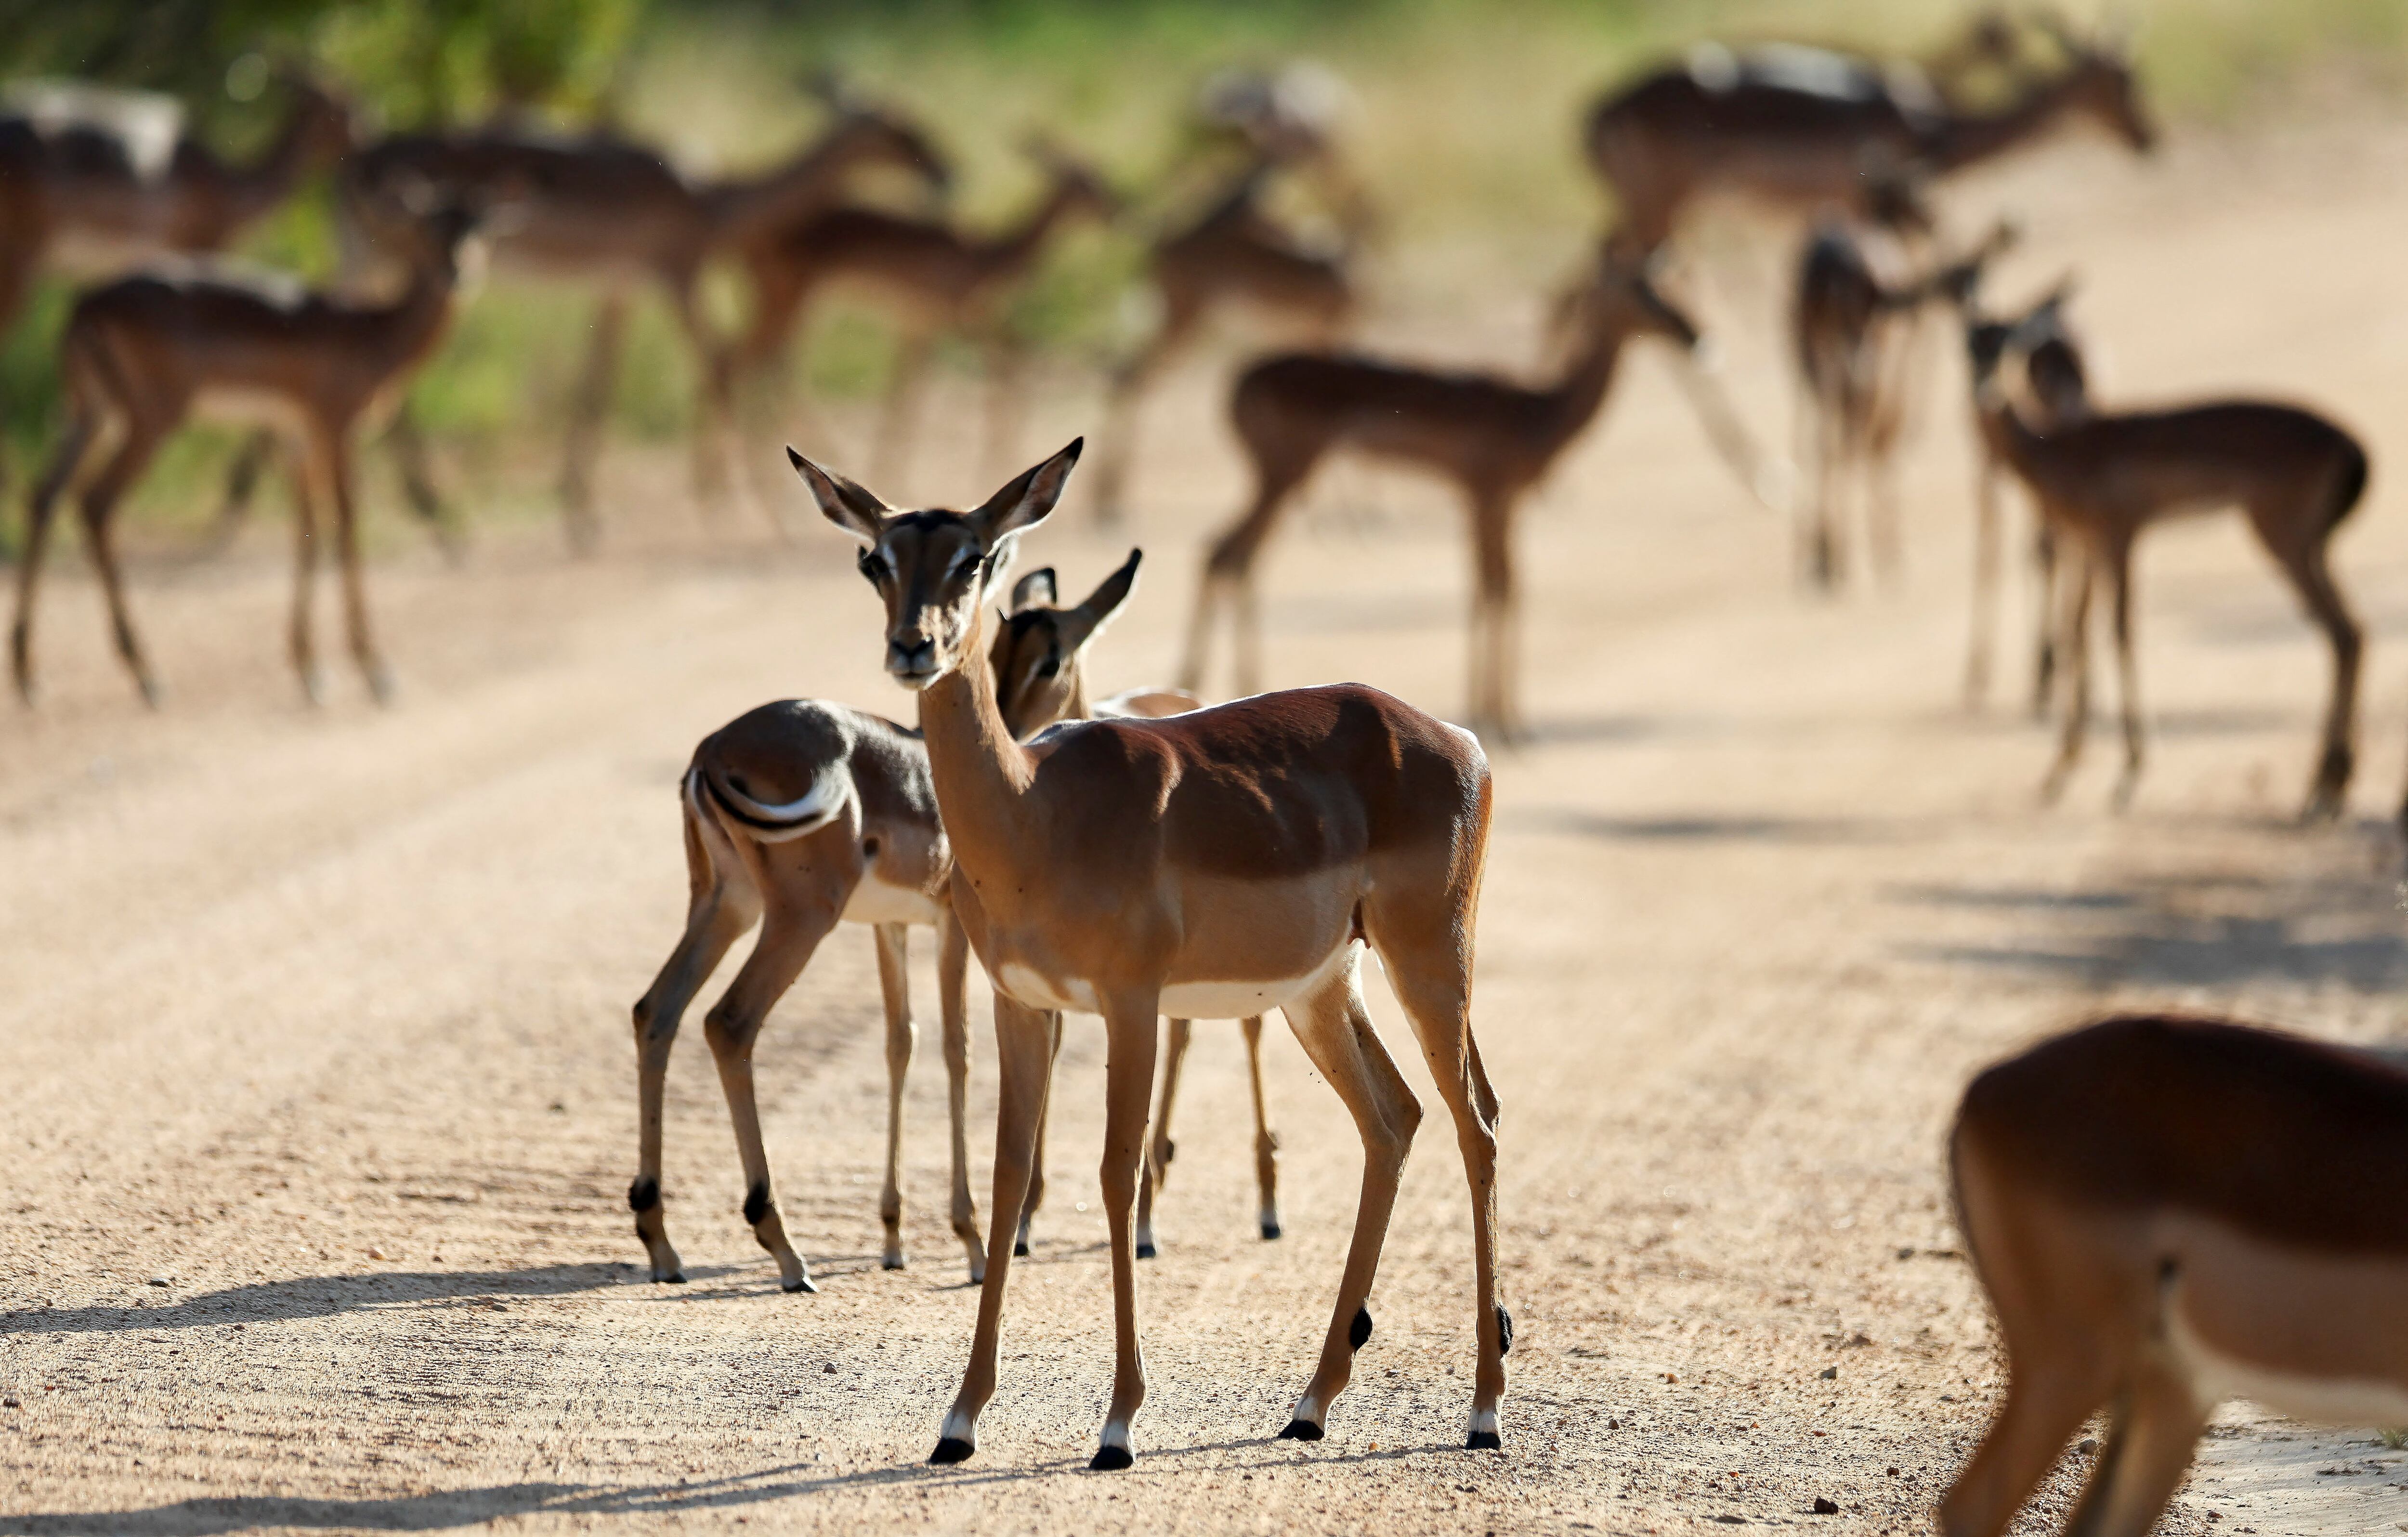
[2118,560]
[953,968]
[586,413]
[2073,634]
[1494,656]
[99,509]
[302,639]
[894,982]
[1266,1140]
[2156,1430]
[336,456]
[1427,950]
[2311,576]
[1985,582]
[41,515]
[712,400]
[2047,1400]
[406,443]
[1128,1084]
[242,487]
[723,903]
[1024,1040]
[789,933]
[1035,1194]
[2046,575]
[1160,1148]
[1337,1034]
[902,413]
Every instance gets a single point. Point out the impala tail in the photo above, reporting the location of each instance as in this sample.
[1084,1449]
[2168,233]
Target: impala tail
[725,797]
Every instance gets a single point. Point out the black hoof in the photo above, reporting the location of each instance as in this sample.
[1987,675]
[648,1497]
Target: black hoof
[1359,1330]
[1484,1441]
[1145,1251]
[675,1278]
[1504,1330]
[890,1264]
[951,1449]
[1300,1429]
[1110,1458]
[803,1285]
[1270,1230]
[1020,1249]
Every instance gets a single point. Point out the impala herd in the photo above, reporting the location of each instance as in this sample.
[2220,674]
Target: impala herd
[2165,1211]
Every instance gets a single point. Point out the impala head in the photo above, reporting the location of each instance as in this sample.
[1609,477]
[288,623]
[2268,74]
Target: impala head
[1079,183]
[2051,361]
[324,125]
[2100,83]
[1036,649]
[1625,298]
[870,136]
[933,568]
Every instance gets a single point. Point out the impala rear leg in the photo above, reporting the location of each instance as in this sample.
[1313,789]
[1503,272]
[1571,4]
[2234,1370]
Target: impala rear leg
[2118,562]
[1228,572]
[789,932]
[953,966]
[894,983]
[1336,1033]
[2073,635]
[334,454]
[1024,1040]
[302,639]
[99,509]
[1985,582]
[2155,1432]
[722,904]
[1266,1140]
[2048,1396]
[1128,1085]
[2306,565]
[406,443]
[586,414]
[1160,1148]
[66,463]
[1494,621]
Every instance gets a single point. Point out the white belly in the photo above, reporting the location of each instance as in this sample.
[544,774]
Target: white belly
[1210,1000]
[2329,1401]
[874,902]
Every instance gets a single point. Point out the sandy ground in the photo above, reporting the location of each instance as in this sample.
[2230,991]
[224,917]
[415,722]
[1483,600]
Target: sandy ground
[317,1093]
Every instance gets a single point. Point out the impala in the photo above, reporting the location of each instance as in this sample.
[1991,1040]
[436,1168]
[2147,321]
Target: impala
[1218,863]
[142,355]
[2169,1212]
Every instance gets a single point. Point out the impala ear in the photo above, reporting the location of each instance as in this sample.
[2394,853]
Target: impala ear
[845,504]
[1035,590]
[1025,502]
[1085,622]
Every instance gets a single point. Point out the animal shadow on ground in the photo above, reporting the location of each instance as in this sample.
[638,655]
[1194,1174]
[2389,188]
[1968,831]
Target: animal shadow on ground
[321,1297]
[1736,827]
[441,1509]
[2324,920]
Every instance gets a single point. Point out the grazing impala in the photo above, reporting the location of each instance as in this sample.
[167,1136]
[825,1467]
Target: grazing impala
[1799,127]
[617,216]
[2170,1213]
[2103,477]
[937,278]
[1222,862]
[1853,327]
[142,354]
[1494,438]
[802,814]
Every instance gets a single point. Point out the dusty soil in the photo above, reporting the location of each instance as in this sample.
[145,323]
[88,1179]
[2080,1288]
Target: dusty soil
[317,1093]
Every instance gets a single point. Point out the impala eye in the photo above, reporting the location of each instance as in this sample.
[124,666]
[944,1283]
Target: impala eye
[967,568]
[873,566]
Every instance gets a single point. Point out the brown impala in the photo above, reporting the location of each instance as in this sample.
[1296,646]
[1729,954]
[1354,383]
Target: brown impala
[1800,127]
[2167,1213]
[142,355]
[616,215]
[1215,864]
[1494,438]
[2103,477]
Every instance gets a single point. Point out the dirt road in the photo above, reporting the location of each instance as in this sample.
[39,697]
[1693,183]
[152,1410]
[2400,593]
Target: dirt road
[316,1083]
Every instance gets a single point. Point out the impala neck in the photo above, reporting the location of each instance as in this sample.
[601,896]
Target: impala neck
[261,186]
[407,331]
[1962,139]
[744,209]
[981,775]
[1017,248]
[1574,399]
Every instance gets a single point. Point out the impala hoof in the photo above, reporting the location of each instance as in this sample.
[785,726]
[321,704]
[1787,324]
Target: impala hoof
[891,1262]
[1111,1458]
[950,1450]
[675,1278]
[1020,1249]
[1300,1429]
[1145,1251]
[1483,1441]
[1270,1230]
[800,1282]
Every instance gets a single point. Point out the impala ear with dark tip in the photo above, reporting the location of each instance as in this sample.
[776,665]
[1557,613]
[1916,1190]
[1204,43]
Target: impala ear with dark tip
[1027,498]
[1085,622]
[1035,590]
[849,506]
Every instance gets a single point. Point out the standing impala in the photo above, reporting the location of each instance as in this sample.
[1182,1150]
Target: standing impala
[802,814]
[1495,439]
[2103,477]
[2167,1213]
[617,216]
[1219,862]
[1799,127]
[142,355]
[938,280]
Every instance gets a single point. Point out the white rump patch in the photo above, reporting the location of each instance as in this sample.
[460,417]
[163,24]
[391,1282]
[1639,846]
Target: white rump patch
[809,812]
[2216,1377]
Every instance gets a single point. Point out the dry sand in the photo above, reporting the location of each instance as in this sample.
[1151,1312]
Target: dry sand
[316,1082]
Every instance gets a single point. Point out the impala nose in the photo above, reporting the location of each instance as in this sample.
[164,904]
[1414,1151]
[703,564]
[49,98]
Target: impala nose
[911,658]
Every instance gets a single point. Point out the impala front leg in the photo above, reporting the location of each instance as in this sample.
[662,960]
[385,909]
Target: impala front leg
[1024,1043]
[1128,1084]
[902,1035]
[952,964]
[1266,1140]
